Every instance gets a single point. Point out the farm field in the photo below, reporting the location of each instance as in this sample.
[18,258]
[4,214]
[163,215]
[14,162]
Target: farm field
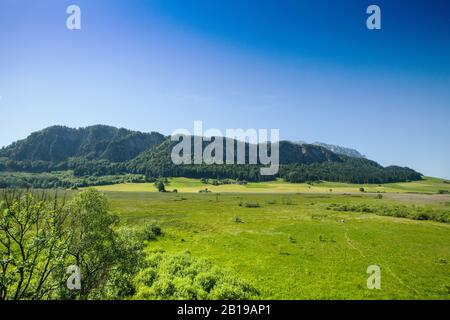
[289,241]
[186,185]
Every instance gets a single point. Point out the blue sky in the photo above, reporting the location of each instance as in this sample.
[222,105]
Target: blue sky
[310,68]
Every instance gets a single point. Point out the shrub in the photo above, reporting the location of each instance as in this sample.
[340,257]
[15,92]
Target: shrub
[156,230]
[237,219]
[160,186]
[181,276]
[251,205]
[149,232]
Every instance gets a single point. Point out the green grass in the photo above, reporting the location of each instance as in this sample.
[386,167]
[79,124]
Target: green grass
[290,246]
[427,185]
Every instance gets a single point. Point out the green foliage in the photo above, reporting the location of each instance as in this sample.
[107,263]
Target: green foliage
[183,277]
[131,243]
[93,246]
[40,237]
[251,205]
[220,182]
[130,259]
[261,251]
[150,232]
[62,180]
[400,211]
[160,186]
[237,219]
[106,151]
[350,170]
[56,144]
[33,245]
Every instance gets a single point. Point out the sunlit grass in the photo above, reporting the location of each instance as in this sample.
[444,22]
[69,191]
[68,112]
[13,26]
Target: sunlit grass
[427,185]
[292,247]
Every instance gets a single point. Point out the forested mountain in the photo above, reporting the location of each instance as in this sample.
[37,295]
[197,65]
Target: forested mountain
[298,163]
[103,150]
[58,143]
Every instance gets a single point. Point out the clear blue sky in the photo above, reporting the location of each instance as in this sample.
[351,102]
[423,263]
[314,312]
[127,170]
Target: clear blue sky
[310,68]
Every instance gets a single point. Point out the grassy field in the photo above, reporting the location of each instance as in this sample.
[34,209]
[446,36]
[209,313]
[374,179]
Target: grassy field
[290,246]
[185,185]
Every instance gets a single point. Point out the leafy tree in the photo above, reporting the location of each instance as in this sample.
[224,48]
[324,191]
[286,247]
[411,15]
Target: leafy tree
[40,236]
[33,245]
[94,244]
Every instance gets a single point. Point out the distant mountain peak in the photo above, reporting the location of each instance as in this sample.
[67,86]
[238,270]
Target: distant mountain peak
[349,152]
[341,150]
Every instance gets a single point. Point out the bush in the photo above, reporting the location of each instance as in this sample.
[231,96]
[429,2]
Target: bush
[149,232]
[181,276]
[160,186]
[251,205]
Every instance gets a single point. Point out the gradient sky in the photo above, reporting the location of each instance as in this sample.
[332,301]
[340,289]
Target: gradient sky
[310,68]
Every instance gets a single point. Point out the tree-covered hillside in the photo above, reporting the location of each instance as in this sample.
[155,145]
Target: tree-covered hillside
[57,144]
[107,151]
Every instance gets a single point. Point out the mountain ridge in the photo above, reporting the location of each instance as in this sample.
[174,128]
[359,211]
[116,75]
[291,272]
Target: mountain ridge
[101,150]
[57,143]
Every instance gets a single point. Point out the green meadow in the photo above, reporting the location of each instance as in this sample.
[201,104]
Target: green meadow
[290,242]
[427,185]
